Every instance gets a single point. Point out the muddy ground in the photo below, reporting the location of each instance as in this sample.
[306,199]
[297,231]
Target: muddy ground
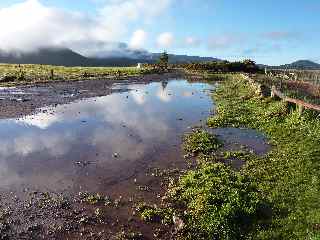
[32,97]
[35,214]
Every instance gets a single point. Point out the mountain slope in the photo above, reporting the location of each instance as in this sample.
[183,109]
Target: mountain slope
[67,57]
[303,64]
[52,56]
[300,65]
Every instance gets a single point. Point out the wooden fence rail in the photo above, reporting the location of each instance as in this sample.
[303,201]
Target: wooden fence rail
[301,104]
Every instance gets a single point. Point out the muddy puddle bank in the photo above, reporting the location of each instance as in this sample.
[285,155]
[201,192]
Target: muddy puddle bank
[113,145]
[240,141]
[110,136]
[27,99]
[236,139]
[77,170]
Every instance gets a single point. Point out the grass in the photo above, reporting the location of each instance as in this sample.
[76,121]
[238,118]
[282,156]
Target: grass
[275,196]
[209,76]
[217,77]
[200,142]
[289,175]
[129,235]
[155,214]
[13,74]
[220,203]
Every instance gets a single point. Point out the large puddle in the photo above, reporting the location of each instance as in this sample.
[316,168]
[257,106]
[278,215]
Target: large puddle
[94,143]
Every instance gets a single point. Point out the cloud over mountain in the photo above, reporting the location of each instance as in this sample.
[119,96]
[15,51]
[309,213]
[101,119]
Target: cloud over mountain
[31,25]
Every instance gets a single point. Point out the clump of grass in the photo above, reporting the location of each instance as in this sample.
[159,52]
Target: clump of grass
[201,141]
[129,235]
[94,199]
[220,203]
[154,214]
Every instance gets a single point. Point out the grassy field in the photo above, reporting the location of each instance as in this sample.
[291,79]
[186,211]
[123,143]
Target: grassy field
[13,74]
[275,196]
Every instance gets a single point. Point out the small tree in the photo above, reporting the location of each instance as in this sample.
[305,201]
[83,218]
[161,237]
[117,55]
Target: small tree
[164,61]
[249,66]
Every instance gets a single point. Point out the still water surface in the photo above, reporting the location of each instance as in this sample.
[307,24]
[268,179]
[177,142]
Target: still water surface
[94,143]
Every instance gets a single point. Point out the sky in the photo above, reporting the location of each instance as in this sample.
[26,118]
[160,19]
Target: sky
[267,31]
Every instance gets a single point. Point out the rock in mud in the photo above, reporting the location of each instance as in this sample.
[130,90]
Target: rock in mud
[178,223]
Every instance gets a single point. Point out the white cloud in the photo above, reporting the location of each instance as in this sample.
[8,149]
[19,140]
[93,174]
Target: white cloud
[139,97]
[163,95]
[281,35]
[138,39]
[192,42]
[41,120]
[165,40]
[31,25]
[223,41]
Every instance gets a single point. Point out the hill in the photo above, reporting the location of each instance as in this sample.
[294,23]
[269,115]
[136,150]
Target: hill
[67,57]
[302,64]
[299,65]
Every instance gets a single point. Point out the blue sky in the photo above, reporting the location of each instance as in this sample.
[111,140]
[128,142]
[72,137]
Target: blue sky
[270,32]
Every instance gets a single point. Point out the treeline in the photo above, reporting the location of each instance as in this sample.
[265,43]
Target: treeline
[247,66]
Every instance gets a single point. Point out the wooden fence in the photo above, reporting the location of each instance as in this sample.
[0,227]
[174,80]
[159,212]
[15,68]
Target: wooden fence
[301,104]
[310,76]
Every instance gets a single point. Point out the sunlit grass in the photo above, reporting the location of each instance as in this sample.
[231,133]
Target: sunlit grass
[13,74]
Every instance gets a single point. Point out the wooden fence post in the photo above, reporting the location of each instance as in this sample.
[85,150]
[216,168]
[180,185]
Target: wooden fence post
[300,109]
[273,88]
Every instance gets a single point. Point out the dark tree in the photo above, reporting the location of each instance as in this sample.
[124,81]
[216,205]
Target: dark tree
[164,61]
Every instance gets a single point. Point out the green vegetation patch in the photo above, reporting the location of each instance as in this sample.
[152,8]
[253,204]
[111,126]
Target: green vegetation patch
[129,235]
[224,66]
[200,141]
[220,203]
[13,74]
[289,175]
[154,214]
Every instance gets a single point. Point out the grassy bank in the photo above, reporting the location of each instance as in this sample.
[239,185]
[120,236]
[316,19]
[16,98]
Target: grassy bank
[13,74]
[289,175]
[272,197]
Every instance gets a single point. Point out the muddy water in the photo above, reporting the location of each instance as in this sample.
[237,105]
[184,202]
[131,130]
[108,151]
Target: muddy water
[236,138]
[96,143]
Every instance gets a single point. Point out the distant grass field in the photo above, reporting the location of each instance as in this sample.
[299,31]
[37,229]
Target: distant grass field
[15,74]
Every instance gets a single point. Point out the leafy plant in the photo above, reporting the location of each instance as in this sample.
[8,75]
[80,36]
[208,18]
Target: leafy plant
[201,141]
[220,203]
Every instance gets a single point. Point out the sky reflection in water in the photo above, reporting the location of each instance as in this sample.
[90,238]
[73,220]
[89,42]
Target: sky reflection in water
[42,150]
